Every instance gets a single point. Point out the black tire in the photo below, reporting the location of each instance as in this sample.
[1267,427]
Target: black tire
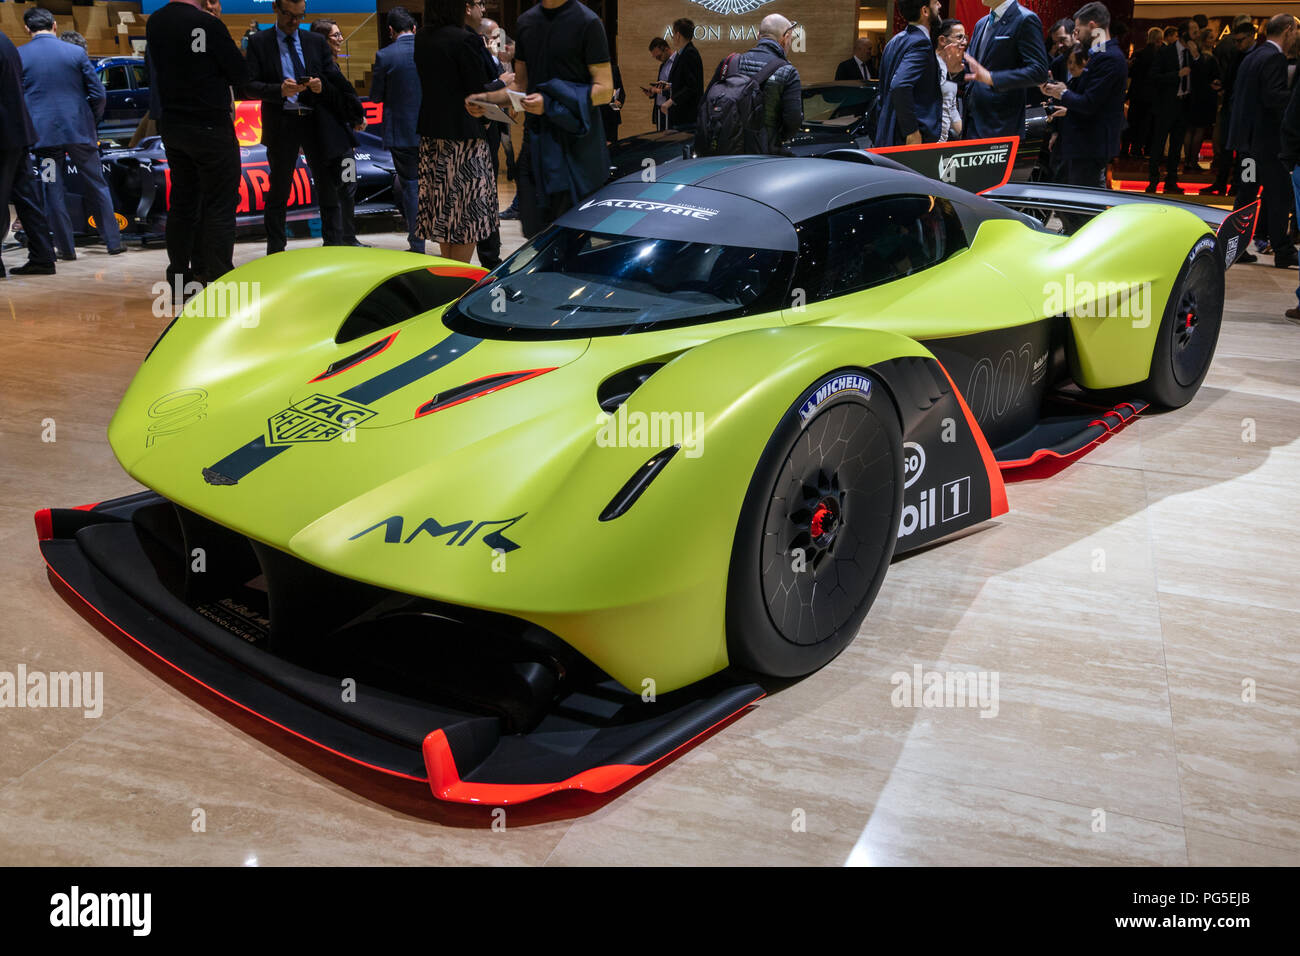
[1189,330]
[839,473]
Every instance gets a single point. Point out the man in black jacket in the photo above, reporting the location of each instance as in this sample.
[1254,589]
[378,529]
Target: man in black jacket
[1231,50]
[1259,99]
[1094,101]
[191,84]
[1171,98]
[858,66]
[287,66]
[685,80]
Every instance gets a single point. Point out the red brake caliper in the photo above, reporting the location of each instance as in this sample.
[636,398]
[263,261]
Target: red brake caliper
[818,517]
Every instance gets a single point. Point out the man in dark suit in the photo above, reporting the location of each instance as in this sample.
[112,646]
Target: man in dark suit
[1007,57]
[1171,98]
[1093,115]
[911,105]
[17,183]
[66,100]
[663,55]
[858,66]
[287,65]
[395,83]
[1229,53]
[191,93]
[685,78]
[1259,100]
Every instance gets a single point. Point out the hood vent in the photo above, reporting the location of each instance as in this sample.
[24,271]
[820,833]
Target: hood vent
[477,388]
[356,358]
[618,388]
[405,296]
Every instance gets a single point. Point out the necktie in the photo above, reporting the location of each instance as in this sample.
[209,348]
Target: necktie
[986,40]
[863,67]
[298,69]
[1182,80]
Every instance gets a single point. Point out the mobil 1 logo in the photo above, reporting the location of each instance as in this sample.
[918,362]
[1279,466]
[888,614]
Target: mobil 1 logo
[934,504]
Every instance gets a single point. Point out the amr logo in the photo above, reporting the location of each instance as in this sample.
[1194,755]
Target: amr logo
[460,532]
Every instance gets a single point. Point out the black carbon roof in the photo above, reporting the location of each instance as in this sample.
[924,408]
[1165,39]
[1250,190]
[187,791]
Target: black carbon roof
[802,187]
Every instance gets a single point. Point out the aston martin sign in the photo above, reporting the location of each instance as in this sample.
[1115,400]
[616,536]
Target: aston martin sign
[731,7]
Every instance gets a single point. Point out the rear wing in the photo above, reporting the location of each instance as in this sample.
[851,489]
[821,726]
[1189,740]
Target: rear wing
[1234,228]
[984,166]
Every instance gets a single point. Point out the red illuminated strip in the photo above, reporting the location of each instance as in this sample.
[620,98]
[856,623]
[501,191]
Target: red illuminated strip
[1139,185]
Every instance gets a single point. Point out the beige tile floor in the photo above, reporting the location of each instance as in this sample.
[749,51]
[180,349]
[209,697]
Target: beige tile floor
[1122,603]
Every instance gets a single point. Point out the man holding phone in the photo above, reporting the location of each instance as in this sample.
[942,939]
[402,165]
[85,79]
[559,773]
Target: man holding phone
[657,91]
[1090,115]
[287,65]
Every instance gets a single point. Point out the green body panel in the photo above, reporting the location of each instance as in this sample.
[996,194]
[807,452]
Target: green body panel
[1011,275]
[642,596]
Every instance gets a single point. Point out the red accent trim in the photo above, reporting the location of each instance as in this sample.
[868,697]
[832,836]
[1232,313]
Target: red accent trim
[1006,174]
[317,743]
[459,272]
[1254,219]
[387,342]
[1052,462]
[446,784]
[523,377]
[45,520]
[997,490]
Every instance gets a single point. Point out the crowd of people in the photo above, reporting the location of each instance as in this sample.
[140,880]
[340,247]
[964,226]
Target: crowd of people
[451,88]
[1185,87]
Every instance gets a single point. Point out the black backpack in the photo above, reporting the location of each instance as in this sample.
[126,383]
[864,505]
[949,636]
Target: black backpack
[730,122]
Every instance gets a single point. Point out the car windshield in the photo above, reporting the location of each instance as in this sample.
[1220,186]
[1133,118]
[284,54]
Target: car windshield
[822,104]
[575,282]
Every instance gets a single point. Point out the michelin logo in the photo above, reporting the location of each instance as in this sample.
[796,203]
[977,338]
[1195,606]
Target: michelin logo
[644,205]
[843,383]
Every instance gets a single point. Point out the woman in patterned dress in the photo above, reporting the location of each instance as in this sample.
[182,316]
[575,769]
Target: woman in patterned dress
[458,197]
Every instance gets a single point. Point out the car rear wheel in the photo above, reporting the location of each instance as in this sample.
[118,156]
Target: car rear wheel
[817,529]
[1189,330]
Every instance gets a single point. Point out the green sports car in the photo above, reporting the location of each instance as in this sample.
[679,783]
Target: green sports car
[537,529]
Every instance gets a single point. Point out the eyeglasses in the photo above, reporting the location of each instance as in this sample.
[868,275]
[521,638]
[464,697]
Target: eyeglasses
[794,25]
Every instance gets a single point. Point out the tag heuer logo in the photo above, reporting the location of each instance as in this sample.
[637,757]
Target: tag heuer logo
[318,418]
[731,7]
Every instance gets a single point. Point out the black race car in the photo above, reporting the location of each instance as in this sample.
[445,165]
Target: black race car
[140,181]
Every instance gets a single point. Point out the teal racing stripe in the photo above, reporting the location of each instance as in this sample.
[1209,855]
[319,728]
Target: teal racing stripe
[704,168]
[662,191]
[616,222]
